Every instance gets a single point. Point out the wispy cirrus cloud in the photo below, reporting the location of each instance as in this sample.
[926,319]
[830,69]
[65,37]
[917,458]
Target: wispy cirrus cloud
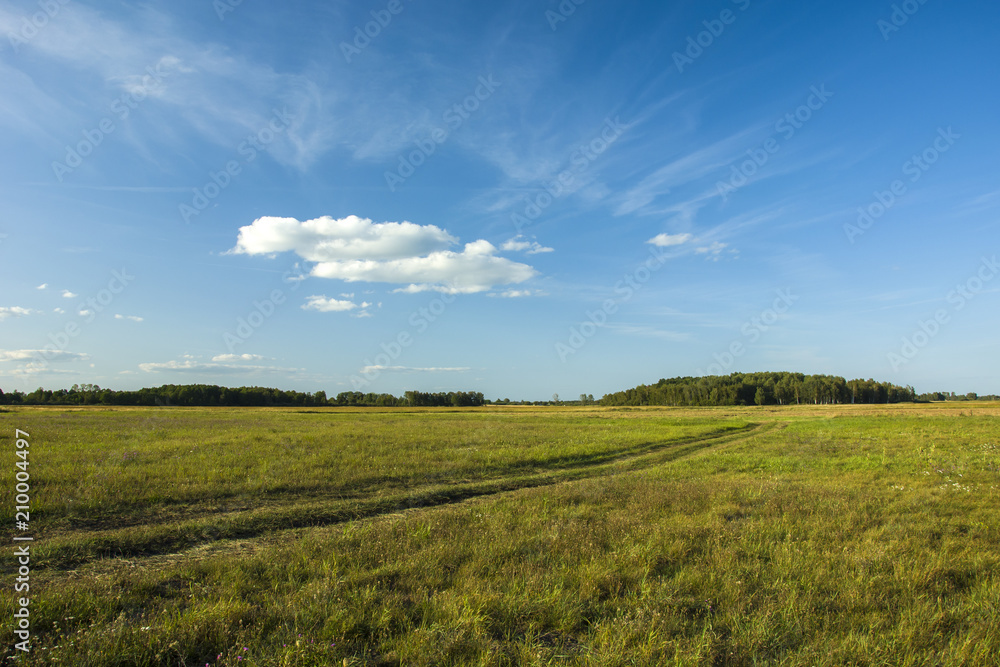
[685,169]
[206,89]
[411,369]
[47,355]
[194,366]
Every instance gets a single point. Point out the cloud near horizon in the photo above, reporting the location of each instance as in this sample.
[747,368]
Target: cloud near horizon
[46,355]
[14,311]
[410,369]
[356,249]
[194,366]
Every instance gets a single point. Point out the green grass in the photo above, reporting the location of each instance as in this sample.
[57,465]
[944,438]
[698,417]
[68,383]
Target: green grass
[725,536]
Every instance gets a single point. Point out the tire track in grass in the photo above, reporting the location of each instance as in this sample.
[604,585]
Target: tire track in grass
[66,552]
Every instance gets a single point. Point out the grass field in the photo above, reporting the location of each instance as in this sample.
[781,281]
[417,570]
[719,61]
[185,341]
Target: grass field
[810,535]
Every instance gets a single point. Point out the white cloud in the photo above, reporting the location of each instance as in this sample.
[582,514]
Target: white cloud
[134,318]
[33,369]
[354,249]
[68,295]
[58,311]
[329,240]
[224,358]
[667,240]
[409,369]
[192,366]
[520,244]
[475,269]
[13,311]
[37,355]
[43,286]
[517,293]
[326,305]
[85,313]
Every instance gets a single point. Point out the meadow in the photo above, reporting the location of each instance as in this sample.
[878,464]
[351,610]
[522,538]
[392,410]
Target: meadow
[800,535]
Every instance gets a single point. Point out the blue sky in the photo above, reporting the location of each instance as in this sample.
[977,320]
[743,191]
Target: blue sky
[521,198]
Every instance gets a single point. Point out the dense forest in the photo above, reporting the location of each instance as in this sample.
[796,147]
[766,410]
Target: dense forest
[761,389]
[735,389]
[771,389]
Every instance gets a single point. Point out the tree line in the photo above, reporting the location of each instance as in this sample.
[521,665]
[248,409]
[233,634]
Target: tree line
[735,389]
[192,395]
[760,389]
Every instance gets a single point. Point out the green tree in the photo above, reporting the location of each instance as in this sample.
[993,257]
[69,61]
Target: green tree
[760,398]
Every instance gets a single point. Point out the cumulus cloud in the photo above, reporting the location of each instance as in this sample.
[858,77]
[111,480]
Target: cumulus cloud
[520,244]
[356,249]
[224,358]
[326,305]
[68,295]
[134,318]
[667,240]
[328,240]
[43,286]
[13,311]
[475,269]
